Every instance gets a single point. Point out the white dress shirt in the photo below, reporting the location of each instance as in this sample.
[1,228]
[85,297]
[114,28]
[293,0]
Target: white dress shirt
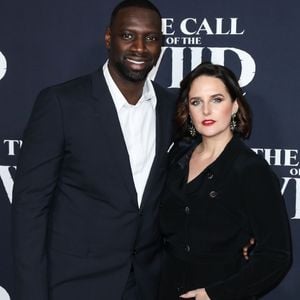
[138,124]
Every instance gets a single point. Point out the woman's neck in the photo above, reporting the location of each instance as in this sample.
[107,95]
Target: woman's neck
[212,147]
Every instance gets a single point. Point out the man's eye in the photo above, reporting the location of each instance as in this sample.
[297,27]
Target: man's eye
[127,36]
[152,38]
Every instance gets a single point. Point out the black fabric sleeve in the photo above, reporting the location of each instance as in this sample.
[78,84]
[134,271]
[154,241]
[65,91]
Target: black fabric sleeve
[267,216]
[35,183]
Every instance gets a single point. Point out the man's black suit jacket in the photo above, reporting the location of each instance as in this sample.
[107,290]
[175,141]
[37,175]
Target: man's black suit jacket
[77,227]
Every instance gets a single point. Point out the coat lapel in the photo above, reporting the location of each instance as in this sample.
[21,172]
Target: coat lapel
[113,136]
[164,113]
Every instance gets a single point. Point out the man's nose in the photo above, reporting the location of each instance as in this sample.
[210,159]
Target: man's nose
[139,45]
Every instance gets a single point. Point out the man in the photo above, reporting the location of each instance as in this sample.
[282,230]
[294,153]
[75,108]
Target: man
[85,208]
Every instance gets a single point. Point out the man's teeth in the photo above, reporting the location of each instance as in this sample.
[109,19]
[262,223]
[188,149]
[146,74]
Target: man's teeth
[135,61]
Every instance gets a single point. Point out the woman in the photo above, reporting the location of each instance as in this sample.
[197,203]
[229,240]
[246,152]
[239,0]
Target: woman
[218,195]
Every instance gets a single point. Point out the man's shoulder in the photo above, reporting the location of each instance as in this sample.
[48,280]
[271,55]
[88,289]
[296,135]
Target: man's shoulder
[69,92]
[75,84]
[78,86]
[162,91]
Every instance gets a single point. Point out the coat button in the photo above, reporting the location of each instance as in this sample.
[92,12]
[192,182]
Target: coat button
[187,248]
[213,194]
[187,210]
[210,175]
[134,252]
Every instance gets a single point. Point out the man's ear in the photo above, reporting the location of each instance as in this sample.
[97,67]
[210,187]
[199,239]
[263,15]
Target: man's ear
[107,38]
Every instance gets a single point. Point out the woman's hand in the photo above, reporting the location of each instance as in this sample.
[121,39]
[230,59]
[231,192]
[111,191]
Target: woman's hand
[198,294]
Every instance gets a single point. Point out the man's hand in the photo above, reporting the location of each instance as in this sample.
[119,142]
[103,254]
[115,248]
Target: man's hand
[246,249]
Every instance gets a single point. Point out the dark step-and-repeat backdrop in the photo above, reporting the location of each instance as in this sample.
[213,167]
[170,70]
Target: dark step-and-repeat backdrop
[46,42]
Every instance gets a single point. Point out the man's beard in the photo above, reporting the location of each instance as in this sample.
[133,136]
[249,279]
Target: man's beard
[134,76]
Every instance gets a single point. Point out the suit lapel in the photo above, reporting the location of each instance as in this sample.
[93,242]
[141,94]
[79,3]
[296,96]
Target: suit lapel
[113,136]
[163,138]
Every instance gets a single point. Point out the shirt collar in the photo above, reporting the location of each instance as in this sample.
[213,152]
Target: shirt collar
[118,98]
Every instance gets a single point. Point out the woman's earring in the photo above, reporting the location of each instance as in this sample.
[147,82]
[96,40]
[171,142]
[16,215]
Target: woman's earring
[233,122]
[192,129]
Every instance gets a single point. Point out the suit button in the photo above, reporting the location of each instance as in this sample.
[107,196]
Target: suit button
[187,210]
[141,213]
[134,252]
[165,242]
[210,175]
[187,248]
[213,194]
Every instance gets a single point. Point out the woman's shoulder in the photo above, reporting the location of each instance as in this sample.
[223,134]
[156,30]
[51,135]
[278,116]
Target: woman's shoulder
[181,149]
[250,162]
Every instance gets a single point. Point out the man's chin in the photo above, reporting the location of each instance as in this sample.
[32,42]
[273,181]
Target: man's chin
[134,75]
[137,78]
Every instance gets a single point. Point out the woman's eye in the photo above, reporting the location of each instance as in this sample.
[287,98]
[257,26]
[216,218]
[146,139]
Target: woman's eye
[217,100]
[195,102]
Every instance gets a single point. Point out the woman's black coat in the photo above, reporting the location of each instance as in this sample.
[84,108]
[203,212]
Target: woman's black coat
[206,223]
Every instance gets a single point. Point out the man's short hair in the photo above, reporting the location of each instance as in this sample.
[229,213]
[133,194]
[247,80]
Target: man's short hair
[133,3]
